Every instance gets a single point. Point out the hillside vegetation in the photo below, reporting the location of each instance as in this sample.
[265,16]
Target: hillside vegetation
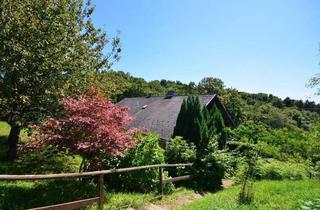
[268,195]
[284,129]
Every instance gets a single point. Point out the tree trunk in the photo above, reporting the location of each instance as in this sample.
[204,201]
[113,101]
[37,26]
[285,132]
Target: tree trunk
[13,143]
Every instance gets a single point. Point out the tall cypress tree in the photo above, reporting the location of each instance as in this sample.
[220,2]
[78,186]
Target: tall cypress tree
[180,128]
[187,121]
[218,125]
[198,125]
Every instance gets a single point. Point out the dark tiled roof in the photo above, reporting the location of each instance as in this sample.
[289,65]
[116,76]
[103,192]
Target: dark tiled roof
[158,114]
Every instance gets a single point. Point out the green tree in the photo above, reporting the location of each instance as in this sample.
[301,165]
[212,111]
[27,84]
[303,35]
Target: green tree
[234,105]
[113,83]
[198,125]
[210,85]
[187,124]
[211,125]
[45,46]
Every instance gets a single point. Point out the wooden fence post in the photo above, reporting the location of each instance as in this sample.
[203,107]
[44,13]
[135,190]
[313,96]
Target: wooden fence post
[161,181]
[101,191]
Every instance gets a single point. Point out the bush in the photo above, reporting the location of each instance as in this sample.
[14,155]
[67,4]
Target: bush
[209,168]
[246,194]
[146,152]
[179,151]
[277,170]
[273,169]
[316,169]
[311,205]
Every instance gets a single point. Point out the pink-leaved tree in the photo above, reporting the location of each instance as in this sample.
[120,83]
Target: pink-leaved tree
[91,126]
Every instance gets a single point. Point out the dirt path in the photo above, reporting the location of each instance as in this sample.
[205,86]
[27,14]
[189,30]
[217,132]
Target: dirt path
[181,201]
[226,183]
[177,204]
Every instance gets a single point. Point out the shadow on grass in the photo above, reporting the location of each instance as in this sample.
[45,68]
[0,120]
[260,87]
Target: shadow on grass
[23,195]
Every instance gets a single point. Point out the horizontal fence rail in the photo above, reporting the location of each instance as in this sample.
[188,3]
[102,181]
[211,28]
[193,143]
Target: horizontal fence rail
[92,173]
[100,199]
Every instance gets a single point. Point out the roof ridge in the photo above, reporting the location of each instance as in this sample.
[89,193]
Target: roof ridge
[173,96]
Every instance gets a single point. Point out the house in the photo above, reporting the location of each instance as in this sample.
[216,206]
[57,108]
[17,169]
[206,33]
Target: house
[158,114]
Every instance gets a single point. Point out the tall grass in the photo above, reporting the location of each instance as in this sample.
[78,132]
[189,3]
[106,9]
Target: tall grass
[286,194]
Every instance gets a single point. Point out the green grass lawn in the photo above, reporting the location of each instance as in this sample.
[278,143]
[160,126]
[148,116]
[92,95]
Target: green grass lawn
[4,129]
[269,195]
[4,132]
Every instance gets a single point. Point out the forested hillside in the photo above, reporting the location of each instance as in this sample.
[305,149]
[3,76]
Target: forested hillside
[258,108]
[282,129]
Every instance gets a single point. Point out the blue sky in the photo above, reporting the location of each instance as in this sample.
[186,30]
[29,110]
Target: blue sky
[269,46]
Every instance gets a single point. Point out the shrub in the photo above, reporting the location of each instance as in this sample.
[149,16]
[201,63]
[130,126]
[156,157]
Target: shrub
[246,194]
[146,152]
[316,169]
[311,205]
[179,151]
[274,169]
[277,170]
[208,168]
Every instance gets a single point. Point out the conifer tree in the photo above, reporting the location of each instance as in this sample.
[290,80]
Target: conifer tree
[179,129]
[198,125]
[187,124]
[218,125]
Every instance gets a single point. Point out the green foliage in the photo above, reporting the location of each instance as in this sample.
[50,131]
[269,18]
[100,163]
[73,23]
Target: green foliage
[45,160]
[262,109]
[44,45]
[234,105]
[315,170]
[179,151]
[281,144]
[4,129]
[246,194]
[218,126]
[113,84]
[146,152]
[273,169]
[286,194]
[198,125]
[311,205]
[187,124]
[210,85]
[47,48]
[118,200]
[209,168]
[276,170]
[211,125]
[206,130]
[43,193]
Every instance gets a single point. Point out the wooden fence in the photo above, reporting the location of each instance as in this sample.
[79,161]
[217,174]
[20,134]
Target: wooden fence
[100,197]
